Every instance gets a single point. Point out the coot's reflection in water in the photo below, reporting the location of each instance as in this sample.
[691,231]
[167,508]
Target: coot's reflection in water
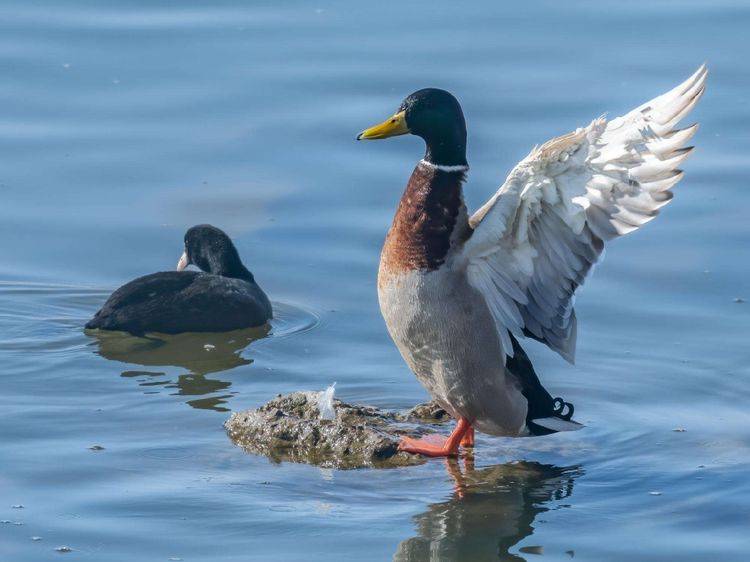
[199,353]
[491,510]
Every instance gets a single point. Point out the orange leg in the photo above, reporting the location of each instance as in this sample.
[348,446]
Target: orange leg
[468,440]
[437,445]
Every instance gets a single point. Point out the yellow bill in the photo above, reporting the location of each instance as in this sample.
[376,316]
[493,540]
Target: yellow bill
[391,127]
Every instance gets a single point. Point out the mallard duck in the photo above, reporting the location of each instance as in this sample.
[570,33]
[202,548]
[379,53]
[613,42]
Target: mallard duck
[222,296]
[458,293]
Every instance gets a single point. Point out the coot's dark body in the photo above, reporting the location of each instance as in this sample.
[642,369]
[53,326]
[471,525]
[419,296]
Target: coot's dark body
[222,297]
[173,302]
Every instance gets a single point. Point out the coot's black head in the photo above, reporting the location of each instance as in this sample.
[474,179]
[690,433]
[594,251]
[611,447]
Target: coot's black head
[212,251]
[436,116]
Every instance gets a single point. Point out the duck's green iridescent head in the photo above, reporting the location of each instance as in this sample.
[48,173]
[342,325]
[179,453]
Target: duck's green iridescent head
[436,116]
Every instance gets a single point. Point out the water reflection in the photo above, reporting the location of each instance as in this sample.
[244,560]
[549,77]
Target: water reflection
[491,510]
[200,354]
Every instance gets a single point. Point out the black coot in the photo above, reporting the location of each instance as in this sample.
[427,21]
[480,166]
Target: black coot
[222,296]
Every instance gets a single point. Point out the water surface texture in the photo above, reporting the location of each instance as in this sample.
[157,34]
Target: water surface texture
[123,123]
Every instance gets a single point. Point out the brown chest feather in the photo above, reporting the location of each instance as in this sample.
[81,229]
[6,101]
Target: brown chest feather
[430,215]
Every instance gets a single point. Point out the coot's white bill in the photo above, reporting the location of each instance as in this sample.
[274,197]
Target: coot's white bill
[183,263]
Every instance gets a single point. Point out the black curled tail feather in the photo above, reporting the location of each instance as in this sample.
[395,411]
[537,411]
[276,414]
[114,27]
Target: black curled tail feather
[563,410]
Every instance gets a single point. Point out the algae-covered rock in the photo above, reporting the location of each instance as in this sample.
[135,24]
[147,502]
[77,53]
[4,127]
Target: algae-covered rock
[289,428]
[428,412]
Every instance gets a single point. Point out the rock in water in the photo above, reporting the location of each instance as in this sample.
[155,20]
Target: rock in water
[290,428]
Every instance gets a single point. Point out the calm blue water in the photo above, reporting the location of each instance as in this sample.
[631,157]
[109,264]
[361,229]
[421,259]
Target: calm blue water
[123,123]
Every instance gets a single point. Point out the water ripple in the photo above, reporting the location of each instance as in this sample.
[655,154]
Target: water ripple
[49,318]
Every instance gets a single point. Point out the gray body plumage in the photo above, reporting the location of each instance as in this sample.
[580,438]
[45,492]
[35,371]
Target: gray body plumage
[445,333]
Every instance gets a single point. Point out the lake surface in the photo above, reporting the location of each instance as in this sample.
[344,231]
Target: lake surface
[124,123]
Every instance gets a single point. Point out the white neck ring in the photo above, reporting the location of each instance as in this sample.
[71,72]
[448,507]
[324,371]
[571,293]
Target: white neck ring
[443,167]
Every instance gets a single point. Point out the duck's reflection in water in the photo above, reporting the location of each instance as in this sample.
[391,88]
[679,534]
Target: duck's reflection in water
[491,510]
[200,354]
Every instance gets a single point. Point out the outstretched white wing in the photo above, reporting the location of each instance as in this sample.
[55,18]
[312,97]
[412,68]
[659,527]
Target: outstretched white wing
[537,238]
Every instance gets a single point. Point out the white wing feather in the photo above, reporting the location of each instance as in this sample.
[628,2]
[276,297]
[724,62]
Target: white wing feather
[538,237]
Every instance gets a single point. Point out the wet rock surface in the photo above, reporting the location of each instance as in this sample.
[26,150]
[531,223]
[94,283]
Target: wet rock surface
[289,428]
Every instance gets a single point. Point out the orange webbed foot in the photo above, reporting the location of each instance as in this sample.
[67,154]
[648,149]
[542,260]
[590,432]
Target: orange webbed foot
[430,446]
[437,445]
